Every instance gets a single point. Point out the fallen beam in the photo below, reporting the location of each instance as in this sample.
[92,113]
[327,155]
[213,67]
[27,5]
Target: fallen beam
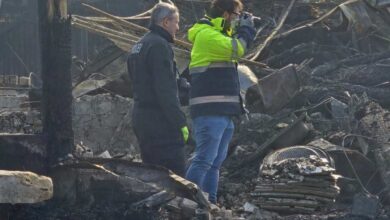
[144,30]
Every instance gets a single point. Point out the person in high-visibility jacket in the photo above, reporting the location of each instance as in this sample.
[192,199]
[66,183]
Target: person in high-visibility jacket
[218,42]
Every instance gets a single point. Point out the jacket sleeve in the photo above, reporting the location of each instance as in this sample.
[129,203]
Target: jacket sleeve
[246,35]
[160,61]
[220,46]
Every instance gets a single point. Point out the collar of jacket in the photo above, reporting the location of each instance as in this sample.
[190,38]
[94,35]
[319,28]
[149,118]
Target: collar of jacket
[162,32]
[217,23]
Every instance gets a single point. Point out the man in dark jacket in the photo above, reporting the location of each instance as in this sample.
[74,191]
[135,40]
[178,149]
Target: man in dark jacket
[159,124]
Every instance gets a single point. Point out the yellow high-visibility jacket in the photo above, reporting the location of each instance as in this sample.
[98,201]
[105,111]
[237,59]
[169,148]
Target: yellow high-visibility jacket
[215,87]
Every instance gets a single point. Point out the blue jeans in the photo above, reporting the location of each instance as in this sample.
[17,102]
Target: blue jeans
[212,135]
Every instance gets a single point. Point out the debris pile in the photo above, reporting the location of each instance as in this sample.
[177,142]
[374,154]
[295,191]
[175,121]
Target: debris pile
[14,81]
[103,123]
[20,122]
[296,185]
[17,114]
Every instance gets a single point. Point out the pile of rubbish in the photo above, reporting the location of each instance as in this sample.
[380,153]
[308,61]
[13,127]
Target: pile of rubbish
[296,185]
[26,122]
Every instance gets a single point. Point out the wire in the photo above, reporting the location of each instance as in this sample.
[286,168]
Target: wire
[327,100]
[17,56]
[371,178]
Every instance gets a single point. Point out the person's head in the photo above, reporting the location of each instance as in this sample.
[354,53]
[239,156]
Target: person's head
[227,9]
[167,16]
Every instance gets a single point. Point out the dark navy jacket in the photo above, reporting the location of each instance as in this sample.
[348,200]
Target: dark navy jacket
[157,118]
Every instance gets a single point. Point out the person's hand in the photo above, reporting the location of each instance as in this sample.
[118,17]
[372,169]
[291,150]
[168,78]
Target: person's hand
[185,132]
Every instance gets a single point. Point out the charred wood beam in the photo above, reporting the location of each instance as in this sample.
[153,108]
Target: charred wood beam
[110,54]
[55,36]
[315,94]
[350,61]
[142,30]
[308,25]
[22,152]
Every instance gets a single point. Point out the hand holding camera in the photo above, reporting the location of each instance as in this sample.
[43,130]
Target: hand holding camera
[246,28]
[246,19]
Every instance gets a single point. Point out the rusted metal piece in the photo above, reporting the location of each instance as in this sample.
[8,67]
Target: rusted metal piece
[276,90]
[296,133]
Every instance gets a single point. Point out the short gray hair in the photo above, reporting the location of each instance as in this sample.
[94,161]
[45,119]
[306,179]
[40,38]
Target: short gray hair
[162,10]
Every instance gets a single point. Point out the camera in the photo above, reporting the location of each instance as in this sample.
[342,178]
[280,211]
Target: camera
[257,21]
[245,14]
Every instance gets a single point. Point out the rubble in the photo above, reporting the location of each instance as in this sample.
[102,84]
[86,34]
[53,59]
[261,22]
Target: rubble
[296,185]
[141,188]
[373,129]
[287,131]
[14,81]
[20,122]
[11,99]
[365,206]
[103,122]
[274,91]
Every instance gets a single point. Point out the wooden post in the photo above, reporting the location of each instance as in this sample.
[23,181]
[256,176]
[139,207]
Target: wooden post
[55,37]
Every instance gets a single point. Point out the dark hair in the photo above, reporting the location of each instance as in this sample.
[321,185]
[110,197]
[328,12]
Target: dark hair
[218,7]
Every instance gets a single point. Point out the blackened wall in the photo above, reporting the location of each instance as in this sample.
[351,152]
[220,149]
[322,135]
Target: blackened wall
[19,45]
